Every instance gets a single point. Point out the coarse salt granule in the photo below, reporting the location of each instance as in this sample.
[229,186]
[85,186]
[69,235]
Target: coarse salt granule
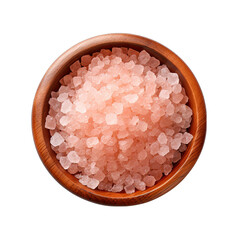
[119,120]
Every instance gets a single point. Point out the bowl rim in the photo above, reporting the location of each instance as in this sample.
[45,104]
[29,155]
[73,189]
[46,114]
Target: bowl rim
[102,197]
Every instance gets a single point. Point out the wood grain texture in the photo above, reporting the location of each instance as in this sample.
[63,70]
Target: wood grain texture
[50,82]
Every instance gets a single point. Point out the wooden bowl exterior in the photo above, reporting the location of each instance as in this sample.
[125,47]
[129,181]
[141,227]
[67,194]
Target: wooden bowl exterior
[60,68]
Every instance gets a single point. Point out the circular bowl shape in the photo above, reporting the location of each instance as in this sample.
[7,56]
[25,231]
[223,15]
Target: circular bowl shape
[50,82]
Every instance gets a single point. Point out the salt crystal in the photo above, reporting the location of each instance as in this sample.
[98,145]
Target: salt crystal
[56,139]
[118,108]
[64,120]
[164,71]
[173,78]
[62,97]
[129,180]
[170,109]
[131,98]
[115,175]
[66,106]
[140,185]
[129,65]
[72,140]
[67,79]
[187,138]
[100,176]
[163,150]
[134,120]
[92,141]
[50,123]
[65,163]
[175,143]
[82,161]
[55,104]
[84,180]
[73,157]
[121,157]
[142,155]
[73,169]
[142,126]
[177,88]
[144,57]
[164,94]
[75,66]
[77,81]
[162,138]
[117,188]
[182,148]
[111,119]
[149,181]
[167,169]
[92,183]
[154,148]
[136,81]
[125,144]
[129,189]
[177,98]
[81,107]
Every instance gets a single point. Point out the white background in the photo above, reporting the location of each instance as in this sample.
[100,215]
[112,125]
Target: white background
[205,34]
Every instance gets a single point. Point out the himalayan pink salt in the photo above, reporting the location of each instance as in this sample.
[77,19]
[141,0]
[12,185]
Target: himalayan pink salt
[164,94]
[111,119]
[187,137]
[142,155]
[65,163]
[81,107]
[84,179]
[149,181]
[142,126]
[172,78]
[56,139]
[64,120]
[144,57]
[131,98]
[75,66]
[118,108]
[176,143]
[62,97]
[163,150]
[119,120]
[140,185]
[129,189]
[117,188]
[72,140]
[73,169]
[154,148]
[82,161]
[167,169]
[129,180]
[66,106]
[177,88]
[162,138]
[73,157]
[50,123]
[125,144]
[92,141]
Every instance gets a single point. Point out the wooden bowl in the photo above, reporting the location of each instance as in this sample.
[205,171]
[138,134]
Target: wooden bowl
[50,82]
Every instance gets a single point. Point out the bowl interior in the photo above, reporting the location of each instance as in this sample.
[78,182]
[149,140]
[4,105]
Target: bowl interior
[51,83]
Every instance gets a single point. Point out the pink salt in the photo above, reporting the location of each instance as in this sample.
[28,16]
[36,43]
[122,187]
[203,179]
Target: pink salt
[149,181]
[73,157]
[111,119]
[119,120]
[50,123]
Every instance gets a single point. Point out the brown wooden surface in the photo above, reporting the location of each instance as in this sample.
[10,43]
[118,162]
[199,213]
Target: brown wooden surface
[50,82]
